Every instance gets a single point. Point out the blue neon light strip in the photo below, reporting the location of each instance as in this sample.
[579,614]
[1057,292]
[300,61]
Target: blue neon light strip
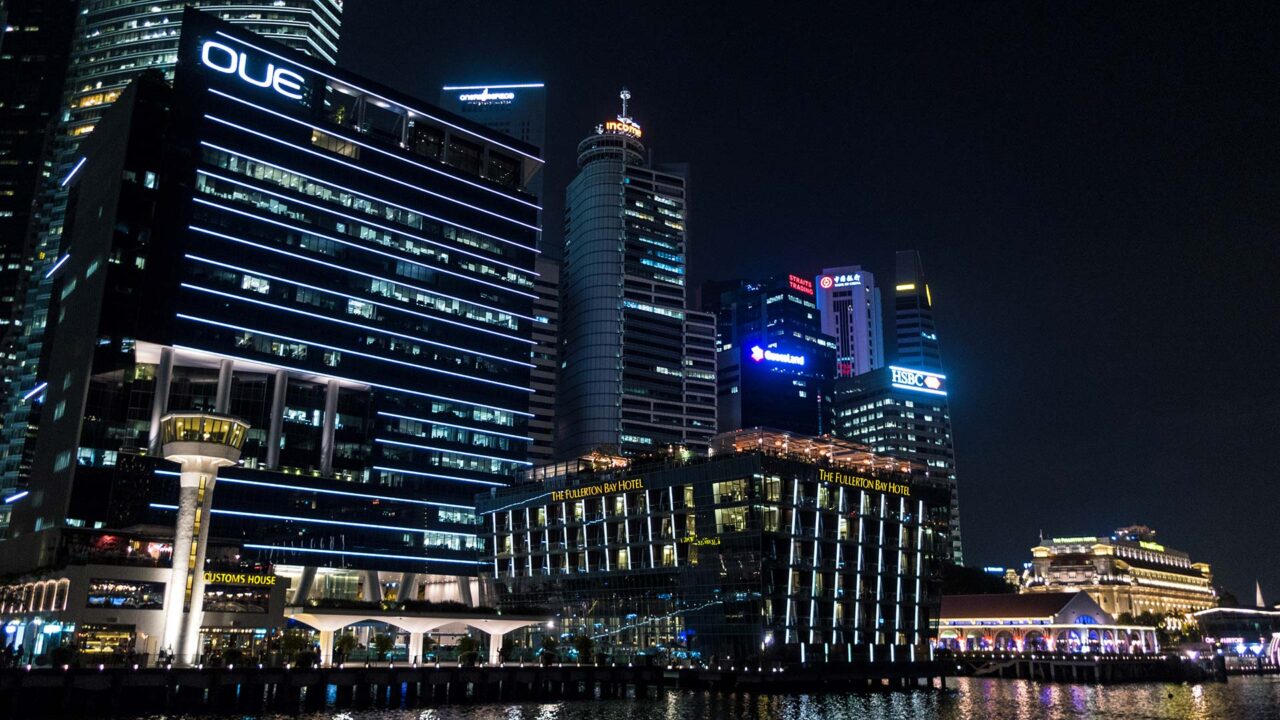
[492,87]
[328,183]
[35,391]
[340,321]
[918,389]
[448,450]
[460,427]
[73,172]
[380,386]
[365,248]
[367,496]
[357,353]
[334,266]
[56,265]
[320,521]
[17,496]
[367,171]
[380,304]
[369,221]
[394,156]
[416,558]
[353,86]
[406,471]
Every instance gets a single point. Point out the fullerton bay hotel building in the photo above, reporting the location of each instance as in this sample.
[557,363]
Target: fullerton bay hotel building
[777,548]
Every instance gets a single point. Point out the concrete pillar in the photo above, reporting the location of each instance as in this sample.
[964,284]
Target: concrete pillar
[222,399]
[464,591]
[176,589]
[160,400]
[495,647]
[330,424]
[408,586]
[305,582]
[278,389]
[195,614]
[326,647]
[372,586]
[415,646]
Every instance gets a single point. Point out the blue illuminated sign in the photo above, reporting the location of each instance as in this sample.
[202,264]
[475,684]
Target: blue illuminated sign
[918,380]
[760,354]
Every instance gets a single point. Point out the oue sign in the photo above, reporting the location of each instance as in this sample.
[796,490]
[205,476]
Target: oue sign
[920,380]
[226,60]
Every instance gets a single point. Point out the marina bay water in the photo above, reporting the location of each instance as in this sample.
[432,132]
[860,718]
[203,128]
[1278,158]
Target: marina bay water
[1243,698]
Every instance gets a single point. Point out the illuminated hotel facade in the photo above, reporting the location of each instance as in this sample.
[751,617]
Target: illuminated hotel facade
[777,549]
[1126,572]
[348,270]
[113,43]
[637,366]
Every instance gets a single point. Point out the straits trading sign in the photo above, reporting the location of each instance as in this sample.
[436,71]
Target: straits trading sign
[918,380]
[864,483]
[588,491]
[229,61]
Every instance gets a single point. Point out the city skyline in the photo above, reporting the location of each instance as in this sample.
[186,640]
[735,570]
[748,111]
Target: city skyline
[1055,220]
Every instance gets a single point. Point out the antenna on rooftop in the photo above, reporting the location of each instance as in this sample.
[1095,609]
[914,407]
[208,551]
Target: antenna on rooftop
[625,95]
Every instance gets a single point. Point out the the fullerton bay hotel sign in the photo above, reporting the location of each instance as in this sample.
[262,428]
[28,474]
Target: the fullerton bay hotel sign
[588,491]
[864,483]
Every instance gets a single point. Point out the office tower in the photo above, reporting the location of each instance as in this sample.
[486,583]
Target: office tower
[546,359]
[849,303]
[33,60]
[629,379]
[515,109]
[774,364]
[917,338]
[114,42]
[347,269]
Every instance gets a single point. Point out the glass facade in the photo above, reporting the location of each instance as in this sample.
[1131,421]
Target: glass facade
[748,557]
[637,367]
[361,301]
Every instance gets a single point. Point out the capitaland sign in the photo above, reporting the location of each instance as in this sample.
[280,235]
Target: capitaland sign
[227,60]
[918,380]
[760,354]
[597,490]
[836,477]
[238,578]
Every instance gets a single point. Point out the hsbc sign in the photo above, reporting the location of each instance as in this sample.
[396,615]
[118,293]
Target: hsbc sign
[918,380]
[229,61]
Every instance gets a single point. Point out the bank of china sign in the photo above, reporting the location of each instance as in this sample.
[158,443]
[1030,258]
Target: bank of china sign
[918,380]
[588,491]
[229,61]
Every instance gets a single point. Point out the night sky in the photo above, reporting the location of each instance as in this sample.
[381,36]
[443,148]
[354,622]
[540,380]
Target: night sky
[1094,189]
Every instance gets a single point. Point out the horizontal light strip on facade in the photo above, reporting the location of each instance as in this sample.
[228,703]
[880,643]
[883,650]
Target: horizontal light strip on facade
[371,301]
[393,156]
[367,171]
[353,86]
[364,248]
[367,196]
[368,221]
[380,386]
[367,496]
[421,473]
[357,353]
[361,273]
[416,558]
[319,521]
[455,452]
[460,427]
[348,323]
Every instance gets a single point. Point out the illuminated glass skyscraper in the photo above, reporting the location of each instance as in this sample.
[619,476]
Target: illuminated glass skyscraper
[849,303]
[114,42]
[638,369]
[913,315]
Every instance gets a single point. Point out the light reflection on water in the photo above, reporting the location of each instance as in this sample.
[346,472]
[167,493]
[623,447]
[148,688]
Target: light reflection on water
[967,699]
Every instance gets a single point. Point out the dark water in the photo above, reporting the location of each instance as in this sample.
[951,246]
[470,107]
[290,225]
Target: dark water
[969,699]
